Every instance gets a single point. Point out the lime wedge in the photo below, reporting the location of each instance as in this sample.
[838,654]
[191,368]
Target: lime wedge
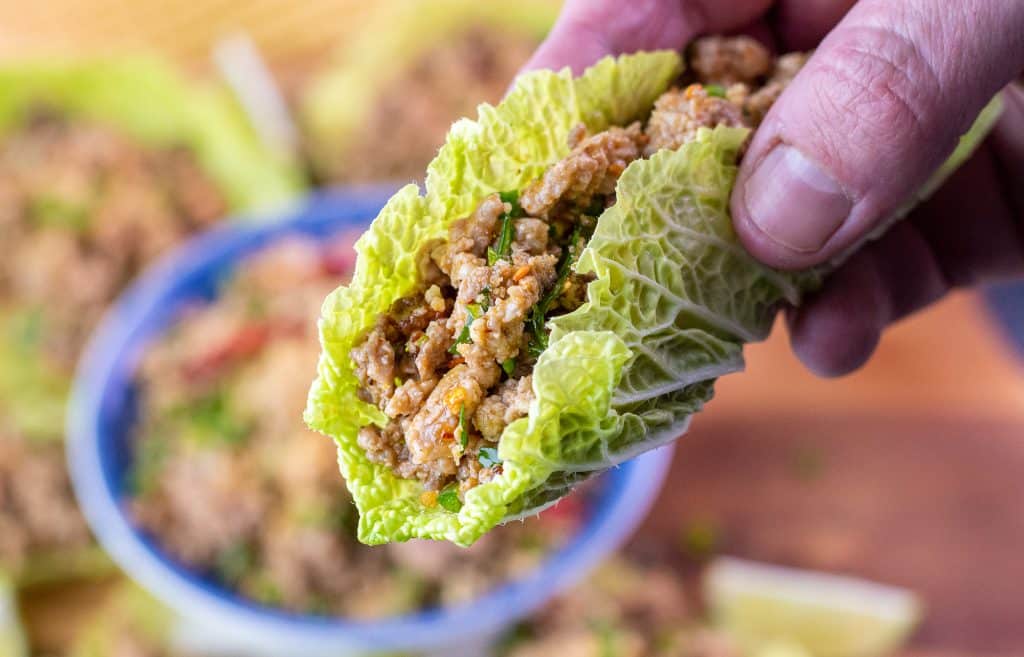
[766,607]
[12,640]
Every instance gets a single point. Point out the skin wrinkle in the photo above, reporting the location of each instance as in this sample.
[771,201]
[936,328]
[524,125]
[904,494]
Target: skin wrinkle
[873,97]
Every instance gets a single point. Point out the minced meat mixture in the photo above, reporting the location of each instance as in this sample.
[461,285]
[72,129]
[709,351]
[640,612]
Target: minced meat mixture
[82,209]
[634,605]
[413,114]
[37,508]
[229,480]
[450,366]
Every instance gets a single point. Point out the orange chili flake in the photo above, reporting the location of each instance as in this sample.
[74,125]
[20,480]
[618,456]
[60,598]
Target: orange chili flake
[458,360]
[455,399]
[521,273]
[428,498]
[691,90]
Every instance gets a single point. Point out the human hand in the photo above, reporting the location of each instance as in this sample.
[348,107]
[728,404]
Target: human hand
[878,107]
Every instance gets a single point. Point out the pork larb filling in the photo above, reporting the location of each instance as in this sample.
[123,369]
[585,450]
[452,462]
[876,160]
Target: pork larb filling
[451,365]
[82,209]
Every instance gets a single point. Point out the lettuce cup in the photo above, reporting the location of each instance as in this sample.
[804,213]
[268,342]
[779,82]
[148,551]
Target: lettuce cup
[561,298]
[104,167]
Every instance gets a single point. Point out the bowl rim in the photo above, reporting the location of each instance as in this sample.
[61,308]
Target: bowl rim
[112,350]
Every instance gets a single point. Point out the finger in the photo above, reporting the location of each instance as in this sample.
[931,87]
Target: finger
[969,232]
[802,24]
[975,223]
[587,30]
[837,329]
[877,108]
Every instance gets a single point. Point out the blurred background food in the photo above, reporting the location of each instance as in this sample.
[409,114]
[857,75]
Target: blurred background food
[229,480]
[92,188]
[908,472]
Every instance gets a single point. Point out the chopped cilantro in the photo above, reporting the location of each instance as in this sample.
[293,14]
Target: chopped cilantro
[489,457]
[463,430]
[486,294]
[538,316]
[449,499]
[512,198]
[715,90]
[463,338]
[509,365]
[504,246]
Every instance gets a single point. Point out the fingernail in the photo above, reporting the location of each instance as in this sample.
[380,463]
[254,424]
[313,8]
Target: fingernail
[793,201]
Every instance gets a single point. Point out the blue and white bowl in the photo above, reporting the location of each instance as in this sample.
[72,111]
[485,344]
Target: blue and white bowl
[100,438]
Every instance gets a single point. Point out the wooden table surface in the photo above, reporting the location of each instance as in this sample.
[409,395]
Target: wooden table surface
[910,471]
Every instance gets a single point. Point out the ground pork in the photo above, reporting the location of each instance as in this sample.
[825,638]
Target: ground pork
[632,606]
[591,169]
[37,508]
[375,365]
[507,404]
[469,238]
[84,208]
[786,68]
[680,113]
[728,60]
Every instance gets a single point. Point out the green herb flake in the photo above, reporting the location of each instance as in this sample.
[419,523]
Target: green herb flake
[398,382]
[538,316]
[471,316]
[463,429]
[486,294]
[504,246]
[503,249]
[509,365]
[512,198]
[449,499]
[715,90]
[488,457]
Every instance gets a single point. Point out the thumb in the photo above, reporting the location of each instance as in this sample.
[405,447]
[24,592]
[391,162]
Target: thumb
[875,111]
